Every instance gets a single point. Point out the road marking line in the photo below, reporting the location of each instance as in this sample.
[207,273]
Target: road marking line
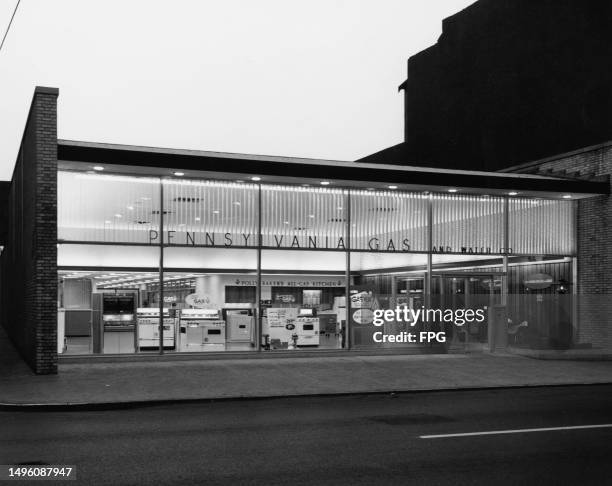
[516,431]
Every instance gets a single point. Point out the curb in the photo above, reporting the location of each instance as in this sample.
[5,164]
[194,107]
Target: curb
[561,355]
[101,406]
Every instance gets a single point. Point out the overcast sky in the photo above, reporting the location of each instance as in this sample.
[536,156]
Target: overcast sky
[314,78]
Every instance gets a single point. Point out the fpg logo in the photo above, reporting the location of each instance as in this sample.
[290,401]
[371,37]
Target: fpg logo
[431,336]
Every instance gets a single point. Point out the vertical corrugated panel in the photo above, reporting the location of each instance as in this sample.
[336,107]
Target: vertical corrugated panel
[88,205]
[388,216]
[211,207]
[287,214]
[105,208]
[468,222]
[540,226]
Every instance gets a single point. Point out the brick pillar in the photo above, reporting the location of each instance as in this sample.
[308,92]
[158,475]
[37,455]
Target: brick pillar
[595,271]
[45,234]
[29,259]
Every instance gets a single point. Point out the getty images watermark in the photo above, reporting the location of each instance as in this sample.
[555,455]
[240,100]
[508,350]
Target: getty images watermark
[459,317]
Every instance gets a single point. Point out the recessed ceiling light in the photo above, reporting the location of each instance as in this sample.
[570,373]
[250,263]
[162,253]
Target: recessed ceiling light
[452,190]
[237,203]
[131,208]
[340,208]
[325,183]
[255,178]
[197,218]
[286,222]
[107,222]
[179,174]
[392,187]
[98,167]
[215,211]
[567,196]
[118,215]
[305,185]
[512,193]
[311,215]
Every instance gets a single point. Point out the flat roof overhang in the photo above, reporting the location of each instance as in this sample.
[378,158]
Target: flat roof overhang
[161,162]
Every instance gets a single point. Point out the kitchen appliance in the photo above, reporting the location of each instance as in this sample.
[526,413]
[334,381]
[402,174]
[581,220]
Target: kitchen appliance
[240,325]
[118,323]
[202,328]
[307,327]
[148,328]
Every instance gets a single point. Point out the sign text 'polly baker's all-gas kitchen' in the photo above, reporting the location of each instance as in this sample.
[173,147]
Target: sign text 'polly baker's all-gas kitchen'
[228,240]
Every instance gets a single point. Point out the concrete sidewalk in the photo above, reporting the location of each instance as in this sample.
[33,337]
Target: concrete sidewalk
[151,381]
[113,383]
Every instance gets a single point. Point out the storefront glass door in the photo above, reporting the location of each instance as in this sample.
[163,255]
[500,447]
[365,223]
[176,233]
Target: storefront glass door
[463,292]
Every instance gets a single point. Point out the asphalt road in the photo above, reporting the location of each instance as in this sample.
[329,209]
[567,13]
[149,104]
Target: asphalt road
[352,440]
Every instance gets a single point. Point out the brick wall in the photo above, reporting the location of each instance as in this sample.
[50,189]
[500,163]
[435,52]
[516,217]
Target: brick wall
[594,228]
[28,264]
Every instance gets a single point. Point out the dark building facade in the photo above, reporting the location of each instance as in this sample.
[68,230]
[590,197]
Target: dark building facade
[509,81]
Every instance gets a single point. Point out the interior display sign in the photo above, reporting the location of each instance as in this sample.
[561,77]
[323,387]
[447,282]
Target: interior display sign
[363,304]
[363,316]
[284,298]
[200,301]
[538,281]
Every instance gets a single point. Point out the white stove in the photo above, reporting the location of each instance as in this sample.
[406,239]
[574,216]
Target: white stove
[148,328]
[202,327]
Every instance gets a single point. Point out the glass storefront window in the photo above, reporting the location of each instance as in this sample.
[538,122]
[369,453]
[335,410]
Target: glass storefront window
[540,303]
[384,282]
[303,287]
[303,218]
[466,285]
[210,214]
[214,302]
[541,227]
[107,208]
[303,298]
[388,221]
[467,224]
[98,310]
[110,228]
[209,228]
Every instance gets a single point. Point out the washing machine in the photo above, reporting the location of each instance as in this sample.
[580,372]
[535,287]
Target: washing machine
[148,328]
[201,328]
